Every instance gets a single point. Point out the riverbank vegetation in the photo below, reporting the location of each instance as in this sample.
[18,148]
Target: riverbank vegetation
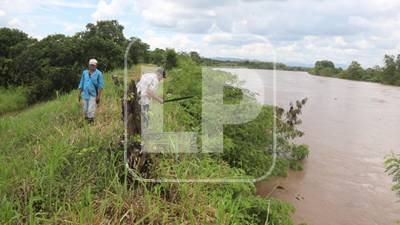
[392,163]
[250,64]
[56,169]
[389,73]
[12,99]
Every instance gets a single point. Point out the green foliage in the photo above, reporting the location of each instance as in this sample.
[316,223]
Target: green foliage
[171,60]
[53,65]
[107,30]
[138,53]
[373,74]
[12,43]
[157,56]
[388,74]
[47,156]
[250,64]
[325,68]
[354,72]
[195,57]
[391,71]
[12,99]
[392,163]
[103,41]
[251,144]
[247,146]
[300,152]
[56,168]
[48,66]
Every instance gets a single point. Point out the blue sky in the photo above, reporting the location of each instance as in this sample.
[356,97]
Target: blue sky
[297,31]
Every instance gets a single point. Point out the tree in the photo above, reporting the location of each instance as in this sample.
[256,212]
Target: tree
[105,42]
[170,59]
[139,51]
[325,68]
[325,64]
[48,66]
[157,56]
[195,57]
[391,70]
[373,74]
[108,30]
[354,72]
[12,43]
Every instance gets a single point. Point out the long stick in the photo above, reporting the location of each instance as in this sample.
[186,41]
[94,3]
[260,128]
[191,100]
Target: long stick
[178,99]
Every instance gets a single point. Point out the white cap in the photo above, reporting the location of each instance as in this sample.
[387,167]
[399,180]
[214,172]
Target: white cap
[93,62]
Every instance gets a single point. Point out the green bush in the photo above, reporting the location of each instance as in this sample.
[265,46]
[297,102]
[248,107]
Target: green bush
[392,163]
[247,146]
[300,152]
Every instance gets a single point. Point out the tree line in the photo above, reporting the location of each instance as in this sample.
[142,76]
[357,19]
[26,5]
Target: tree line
[54,64]
[251,64]
[389,73]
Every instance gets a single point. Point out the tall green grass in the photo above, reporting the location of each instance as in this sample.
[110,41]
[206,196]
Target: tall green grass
[12,99]
[50,157]
[56,169]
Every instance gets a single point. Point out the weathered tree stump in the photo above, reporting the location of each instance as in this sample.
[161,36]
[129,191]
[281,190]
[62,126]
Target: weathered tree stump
[137,159]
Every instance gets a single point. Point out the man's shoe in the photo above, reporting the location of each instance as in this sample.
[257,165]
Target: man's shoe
[90,120]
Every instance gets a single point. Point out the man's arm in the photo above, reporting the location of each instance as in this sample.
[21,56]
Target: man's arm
[99,91]
[150,90]
[80,88]
[100,87]
[154,96]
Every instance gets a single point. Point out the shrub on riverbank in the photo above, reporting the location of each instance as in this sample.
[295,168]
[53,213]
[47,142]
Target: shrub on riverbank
[392,163]
[247,146]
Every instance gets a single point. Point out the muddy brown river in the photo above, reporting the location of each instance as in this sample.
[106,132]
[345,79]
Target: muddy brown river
[350,127]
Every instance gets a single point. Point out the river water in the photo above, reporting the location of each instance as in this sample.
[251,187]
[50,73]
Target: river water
[350,127]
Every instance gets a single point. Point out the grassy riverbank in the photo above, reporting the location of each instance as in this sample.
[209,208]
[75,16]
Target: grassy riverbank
[58,170]
[12,99]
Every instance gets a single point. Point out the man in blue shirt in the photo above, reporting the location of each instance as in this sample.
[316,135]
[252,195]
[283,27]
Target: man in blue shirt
[91,87]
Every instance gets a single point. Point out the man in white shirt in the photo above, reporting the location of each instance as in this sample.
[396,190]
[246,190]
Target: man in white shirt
[147,87]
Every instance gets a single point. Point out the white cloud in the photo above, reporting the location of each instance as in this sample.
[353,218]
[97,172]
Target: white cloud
[233,39]
[339,41]
[114,9]
[2,13]
[70,27]
[363,44]
[300,30]
[15,23]
[23,6]
[25,25]
[180,42]
[185,16]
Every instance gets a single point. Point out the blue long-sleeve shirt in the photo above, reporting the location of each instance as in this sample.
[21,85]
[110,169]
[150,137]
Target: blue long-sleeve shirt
[89,84]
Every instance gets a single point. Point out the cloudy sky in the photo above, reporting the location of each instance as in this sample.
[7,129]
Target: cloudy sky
[299,32]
